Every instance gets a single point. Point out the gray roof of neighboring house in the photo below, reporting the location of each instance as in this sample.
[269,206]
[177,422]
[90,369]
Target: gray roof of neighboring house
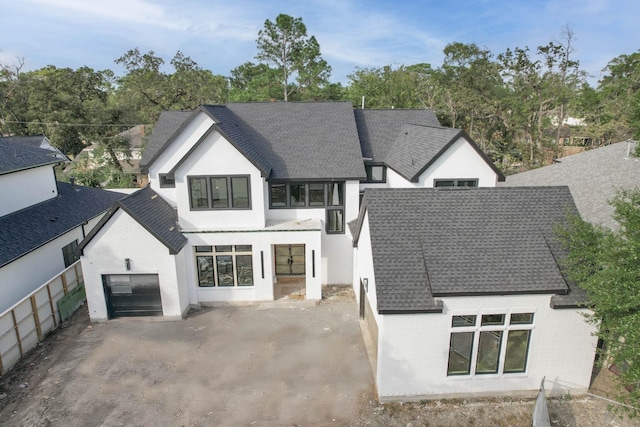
[153,213]
[378,129]
[16,156]
[285,140]
[167,125]
[27,229]
[431,242]
[594,177]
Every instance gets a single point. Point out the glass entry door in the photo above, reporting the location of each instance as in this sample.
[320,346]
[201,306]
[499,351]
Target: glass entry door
[289,260]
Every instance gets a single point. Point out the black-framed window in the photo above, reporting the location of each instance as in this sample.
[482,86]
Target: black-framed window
[477,343]
[166,181]
[455,182]
[376,173]
[69,253]
[303,195]
[224,266]
[219,192]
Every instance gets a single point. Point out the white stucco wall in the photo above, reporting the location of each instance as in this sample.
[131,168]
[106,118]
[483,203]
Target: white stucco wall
[26,274]
[262,243]
[21,189]
[176,151]
[216,156]
[460,161]
[414,349]
[122,237]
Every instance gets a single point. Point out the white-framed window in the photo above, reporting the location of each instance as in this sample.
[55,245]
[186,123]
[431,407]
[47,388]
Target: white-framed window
[224,265]
[489,343]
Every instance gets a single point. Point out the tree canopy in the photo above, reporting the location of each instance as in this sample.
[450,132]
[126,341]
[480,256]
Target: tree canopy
[606,264]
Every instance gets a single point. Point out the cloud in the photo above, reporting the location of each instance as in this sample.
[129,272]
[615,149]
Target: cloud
[125,11]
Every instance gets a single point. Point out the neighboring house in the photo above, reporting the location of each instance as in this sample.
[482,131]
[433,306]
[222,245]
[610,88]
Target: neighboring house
[594,178]
[41,220]
[461,293]
[255,198]
[129,161]
[36,141]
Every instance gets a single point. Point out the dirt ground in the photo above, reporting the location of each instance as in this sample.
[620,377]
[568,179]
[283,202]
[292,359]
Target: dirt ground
[194,373]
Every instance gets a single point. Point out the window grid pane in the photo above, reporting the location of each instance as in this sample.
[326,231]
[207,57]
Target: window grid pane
[492,319]
[219,193]
[224,265]
[244,266]
[517,349]
[240,191]
[199,196]
[521,318]
[460,353]
[205,271]
[316,194]
[335,194]
[297,195]
[278,195]
[458,321]
[488,352]
[335,221]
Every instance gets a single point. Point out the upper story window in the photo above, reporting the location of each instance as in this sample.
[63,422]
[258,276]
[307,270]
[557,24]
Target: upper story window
[166,181]
[489,344]
[219,192]
[69,253]
[455,182]
[299,195]
[376,173]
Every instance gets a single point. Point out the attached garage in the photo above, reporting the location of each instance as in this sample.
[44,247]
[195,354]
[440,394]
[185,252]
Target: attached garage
[130,295]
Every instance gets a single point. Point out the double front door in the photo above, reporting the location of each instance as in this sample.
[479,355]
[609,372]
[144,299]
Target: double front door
[290,260]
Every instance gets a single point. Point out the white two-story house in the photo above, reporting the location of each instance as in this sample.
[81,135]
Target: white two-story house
[251,201]
[41,220]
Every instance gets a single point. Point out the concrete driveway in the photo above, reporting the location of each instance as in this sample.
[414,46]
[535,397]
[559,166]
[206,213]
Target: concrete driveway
[225,366]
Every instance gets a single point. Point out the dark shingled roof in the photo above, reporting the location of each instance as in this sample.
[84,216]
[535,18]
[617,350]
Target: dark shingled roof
[288,140]
[16,156]
[594,178]
[27,229]
[428,243]
[168,124]
[417,147]
[153,213]
[378,129]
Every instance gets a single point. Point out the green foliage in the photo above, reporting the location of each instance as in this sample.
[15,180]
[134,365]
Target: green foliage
[606,264]
[285,44]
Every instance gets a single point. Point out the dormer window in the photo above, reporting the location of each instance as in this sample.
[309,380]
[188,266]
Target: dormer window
[376,173]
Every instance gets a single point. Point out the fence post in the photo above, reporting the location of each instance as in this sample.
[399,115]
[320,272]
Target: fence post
[36,316]
[53,310]
[15,327]
[64,283]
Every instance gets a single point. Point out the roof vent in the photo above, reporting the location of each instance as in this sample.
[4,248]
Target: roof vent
[154,196]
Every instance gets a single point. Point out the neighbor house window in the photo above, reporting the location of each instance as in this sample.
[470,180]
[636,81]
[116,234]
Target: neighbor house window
[477,343]
[69,253]
[455,182]
[166,181]
[376,173]
[219,192]
[224,265]
[299,195]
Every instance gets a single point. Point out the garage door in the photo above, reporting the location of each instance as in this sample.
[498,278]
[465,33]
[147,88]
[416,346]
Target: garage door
[132,295]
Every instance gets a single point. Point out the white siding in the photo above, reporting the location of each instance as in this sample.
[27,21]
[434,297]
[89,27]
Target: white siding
[460,161]
[262,243]
[122,237]
[216,156]
[24,275]
[21,189]
[175,152]
[413,351]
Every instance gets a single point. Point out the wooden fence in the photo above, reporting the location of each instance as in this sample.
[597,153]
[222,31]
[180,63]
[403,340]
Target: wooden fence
[29,321]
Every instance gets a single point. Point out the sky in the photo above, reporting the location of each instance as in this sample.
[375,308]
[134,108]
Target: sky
[221,35]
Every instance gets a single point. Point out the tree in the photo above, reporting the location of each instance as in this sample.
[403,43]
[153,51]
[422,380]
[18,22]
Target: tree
[254,82]
[285,44]
[606,264]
